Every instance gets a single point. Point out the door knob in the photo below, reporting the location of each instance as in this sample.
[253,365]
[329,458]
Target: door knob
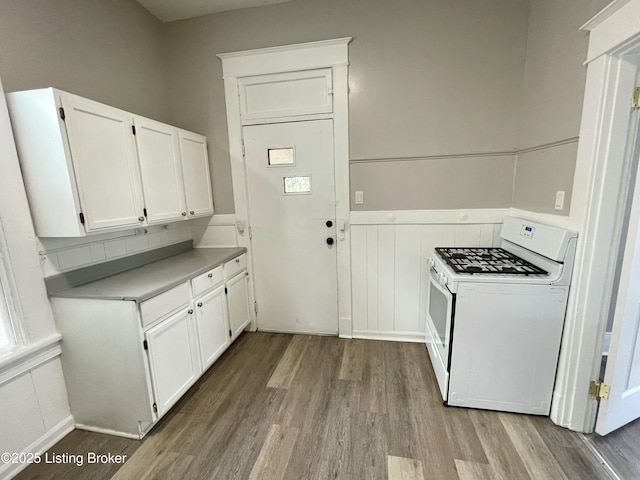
[329,241]
[329,224]
[141,219]
[199,304]
[192,212]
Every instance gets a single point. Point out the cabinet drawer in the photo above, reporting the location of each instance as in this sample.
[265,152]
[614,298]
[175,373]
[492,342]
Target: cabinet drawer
[207,281]
[234,266]
[164,304]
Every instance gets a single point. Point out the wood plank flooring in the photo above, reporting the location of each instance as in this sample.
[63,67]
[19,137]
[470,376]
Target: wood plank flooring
[278,406]
[621,449]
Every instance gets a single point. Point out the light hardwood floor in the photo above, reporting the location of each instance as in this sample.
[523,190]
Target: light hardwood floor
[621,449]
[300,407]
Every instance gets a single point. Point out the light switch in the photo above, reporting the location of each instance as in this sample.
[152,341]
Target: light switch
[359,197]
[560,200]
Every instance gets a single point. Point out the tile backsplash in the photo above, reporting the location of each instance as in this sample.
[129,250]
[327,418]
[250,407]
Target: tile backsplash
[58,255]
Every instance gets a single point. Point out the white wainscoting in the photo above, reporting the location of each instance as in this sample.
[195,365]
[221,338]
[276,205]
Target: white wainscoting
[33,400]
[389,252]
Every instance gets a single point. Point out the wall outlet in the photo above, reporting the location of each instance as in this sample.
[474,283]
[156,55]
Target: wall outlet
[359,197]
[560,200]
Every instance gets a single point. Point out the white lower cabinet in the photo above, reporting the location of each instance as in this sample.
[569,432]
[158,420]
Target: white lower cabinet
[173,358]
[238,301]
[126,364]
[211,321]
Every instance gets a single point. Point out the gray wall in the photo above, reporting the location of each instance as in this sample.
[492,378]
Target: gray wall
[435,183]
[427,78]
[109,51]
[551,104]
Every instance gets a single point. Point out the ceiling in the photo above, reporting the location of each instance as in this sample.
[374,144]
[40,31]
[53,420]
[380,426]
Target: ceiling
[170,10]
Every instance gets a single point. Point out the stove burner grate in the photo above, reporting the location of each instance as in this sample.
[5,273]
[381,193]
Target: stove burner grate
[493,261]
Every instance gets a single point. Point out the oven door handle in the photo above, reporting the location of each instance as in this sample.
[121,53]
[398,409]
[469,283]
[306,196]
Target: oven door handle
[433,273]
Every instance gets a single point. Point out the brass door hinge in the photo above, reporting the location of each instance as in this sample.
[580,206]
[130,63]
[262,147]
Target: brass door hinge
[635,101]
[599,389]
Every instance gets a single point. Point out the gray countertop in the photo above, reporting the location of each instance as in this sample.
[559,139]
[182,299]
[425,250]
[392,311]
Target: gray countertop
[142,283]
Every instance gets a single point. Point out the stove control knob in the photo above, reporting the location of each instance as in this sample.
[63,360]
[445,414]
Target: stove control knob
[430,262]
[442,280]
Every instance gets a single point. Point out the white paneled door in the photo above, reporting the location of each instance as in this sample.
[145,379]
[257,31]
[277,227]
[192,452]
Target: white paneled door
[622,372]
[290,182]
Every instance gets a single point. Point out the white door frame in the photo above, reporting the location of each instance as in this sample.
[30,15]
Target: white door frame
[290,58]
[598,200]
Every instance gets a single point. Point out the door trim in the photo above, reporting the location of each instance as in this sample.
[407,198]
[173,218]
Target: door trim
[596,209]
[290,58]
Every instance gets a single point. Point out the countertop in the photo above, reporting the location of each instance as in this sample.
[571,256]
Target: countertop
[142,283]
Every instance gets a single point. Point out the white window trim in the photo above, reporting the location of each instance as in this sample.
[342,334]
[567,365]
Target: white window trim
[8,297]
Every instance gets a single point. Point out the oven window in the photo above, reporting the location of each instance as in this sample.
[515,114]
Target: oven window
[438,304]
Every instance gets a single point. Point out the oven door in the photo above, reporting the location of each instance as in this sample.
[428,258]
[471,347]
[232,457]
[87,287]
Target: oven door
[440,312]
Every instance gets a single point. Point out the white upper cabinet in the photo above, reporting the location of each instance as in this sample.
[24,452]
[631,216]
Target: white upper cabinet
[161,169]
[103,153]
[195,166]
[88,167]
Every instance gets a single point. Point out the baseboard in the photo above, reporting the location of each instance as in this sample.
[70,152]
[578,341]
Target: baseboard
[559,404]
[107,431]
[345,327]
[44,443]
[298,332]
[390,336]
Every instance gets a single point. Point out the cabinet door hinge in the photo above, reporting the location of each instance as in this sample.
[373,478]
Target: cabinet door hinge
[82,218]
[155,407]
[145,345]
[133,129]
[635,101]
[255,307]
[243,150]
[225,290]
[144,210]
[599,389]
[62,115]
[230,334]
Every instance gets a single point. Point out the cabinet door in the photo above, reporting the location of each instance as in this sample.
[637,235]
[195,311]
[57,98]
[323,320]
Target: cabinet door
[173,358]
[161,170]
[213,331]
[195,166]
[105,163]
[238,303]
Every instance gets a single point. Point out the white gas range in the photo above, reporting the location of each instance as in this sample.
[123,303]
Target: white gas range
[495,318]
